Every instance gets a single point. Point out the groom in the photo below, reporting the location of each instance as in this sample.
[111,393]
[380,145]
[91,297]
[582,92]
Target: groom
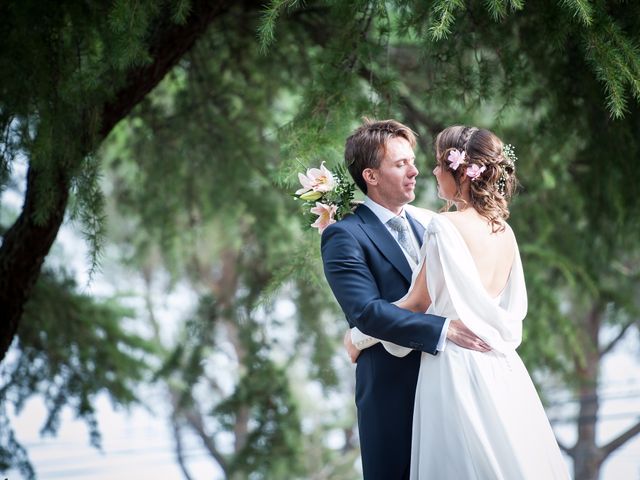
[368,259]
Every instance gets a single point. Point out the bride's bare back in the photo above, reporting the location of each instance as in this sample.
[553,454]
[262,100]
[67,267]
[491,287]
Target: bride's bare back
[492,252]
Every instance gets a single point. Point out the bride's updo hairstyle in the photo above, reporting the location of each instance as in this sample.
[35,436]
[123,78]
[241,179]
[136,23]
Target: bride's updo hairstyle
[491,188]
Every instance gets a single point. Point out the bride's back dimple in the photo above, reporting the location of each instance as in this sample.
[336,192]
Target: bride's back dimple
[492,253]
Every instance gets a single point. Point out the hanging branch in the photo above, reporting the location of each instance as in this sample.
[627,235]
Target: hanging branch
[28,241]
[620,440]
[616,339]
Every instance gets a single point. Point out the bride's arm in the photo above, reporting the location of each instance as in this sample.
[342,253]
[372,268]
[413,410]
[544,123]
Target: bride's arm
[418,299]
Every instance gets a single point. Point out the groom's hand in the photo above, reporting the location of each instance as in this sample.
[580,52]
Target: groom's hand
[459,334]
[352,351]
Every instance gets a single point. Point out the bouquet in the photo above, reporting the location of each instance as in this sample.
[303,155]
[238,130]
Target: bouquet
[325,194]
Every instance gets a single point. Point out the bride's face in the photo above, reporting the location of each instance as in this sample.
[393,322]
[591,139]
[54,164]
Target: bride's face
[446,183]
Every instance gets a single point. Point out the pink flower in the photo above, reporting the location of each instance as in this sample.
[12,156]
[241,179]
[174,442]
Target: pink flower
[325,218]
[474,171]
[456,158]
[316,179]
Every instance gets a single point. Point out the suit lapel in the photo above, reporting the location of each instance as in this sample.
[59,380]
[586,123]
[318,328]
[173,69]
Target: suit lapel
[417,227]
[384,241]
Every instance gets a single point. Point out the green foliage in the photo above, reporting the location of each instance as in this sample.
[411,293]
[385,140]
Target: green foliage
[273,446]
[87,206]
[12,453]
[71,347]
[582,9]
[266,29]
[55,78]
[444,13]
[261,411]
[198,177]
[223,209]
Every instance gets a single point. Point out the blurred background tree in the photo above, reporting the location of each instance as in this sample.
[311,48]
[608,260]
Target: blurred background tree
[171,133]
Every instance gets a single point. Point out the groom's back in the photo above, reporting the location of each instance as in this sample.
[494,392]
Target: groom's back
[492,252]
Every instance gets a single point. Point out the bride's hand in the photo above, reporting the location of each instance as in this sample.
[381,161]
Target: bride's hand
[351,349]
[459,334]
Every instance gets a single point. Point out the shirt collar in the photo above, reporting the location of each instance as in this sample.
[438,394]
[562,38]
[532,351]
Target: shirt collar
[383,214]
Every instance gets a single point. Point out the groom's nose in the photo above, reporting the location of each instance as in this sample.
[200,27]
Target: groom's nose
[413,171]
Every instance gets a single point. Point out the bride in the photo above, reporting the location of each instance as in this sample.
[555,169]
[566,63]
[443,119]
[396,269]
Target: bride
[477,414]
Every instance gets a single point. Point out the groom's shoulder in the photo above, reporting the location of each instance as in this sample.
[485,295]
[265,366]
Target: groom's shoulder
[346,225]
[352,219]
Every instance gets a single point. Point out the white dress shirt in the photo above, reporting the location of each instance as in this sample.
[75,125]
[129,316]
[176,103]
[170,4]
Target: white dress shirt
[384,216]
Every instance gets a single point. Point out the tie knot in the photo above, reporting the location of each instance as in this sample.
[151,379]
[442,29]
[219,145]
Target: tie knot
[399,224]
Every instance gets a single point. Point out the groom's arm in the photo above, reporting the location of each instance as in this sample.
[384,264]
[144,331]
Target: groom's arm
[357,293]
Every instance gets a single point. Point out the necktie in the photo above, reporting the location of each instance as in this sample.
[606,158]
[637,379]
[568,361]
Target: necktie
[400,225]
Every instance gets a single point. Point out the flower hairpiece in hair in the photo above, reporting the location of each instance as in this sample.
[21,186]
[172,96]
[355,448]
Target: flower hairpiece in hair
[474,171]
[510,155]
[456,158]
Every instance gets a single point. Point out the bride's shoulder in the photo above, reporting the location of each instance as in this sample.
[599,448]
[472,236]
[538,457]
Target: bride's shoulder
[423,215]
[453,217]
[471,227]
[509,232]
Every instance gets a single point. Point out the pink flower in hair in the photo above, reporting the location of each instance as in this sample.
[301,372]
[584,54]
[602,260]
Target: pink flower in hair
[474,171]
[455,159]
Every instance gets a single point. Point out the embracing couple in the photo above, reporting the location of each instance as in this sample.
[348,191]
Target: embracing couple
[435,303]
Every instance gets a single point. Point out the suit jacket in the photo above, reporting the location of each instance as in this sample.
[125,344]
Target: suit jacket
[366,270]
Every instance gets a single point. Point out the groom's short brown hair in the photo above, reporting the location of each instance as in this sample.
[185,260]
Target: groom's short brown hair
[366,147]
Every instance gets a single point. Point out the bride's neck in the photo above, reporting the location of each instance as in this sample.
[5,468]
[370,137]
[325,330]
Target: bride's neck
[467,210]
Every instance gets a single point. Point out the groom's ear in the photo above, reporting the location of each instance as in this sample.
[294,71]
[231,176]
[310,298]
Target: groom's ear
[370,176]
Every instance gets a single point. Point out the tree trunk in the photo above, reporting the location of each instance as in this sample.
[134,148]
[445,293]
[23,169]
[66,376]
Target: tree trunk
[587,456]
[26,244]
[24,248]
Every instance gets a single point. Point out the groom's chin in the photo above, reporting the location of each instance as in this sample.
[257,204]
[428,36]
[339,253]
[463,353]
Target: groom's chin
[411,197]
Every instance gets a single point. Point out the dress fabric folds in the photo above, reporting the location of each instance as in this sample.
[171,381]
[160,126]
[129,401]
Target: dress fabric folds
[477,415]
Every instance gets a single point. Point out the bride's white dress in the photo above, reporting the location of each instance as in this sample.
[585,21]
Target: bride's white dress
[477,415]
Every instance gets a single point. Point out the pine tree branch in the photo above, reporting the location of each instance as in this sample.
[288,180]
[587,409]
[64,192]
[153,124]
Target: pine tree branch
[616,339]
[413,115]
[27,242]
[620,440]
[179,448]
[24,248]
[171,42]
[564,448]
[195,420]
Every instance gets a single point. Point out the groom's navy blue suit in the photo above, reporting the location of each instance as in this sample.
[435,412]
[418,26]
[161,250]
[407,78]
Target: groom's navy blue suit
[367,270]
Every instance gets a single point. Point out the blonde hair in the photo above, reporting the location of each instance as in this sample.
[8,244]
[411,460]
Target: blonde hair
[483,148]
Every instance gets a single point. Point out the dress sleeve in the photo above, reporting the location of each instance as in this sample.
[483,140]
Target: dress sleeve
[452,270]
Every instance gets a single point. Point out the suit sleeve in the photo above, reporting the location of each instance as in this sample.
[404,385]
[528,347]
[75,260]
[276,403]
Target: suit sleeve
[357,292]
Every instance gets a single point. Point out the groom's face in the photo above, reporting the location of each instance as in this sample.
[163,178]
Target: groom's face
[395,179]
